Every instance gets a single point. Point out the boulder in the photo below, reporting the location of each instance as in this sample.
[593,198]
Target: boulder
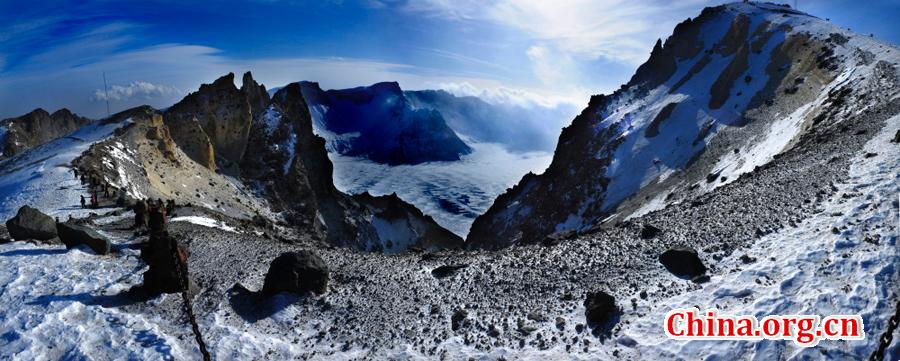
[297,272]
[599,308]
[649,231]
[683,262]
[30,223]
[447,271]
[73,235]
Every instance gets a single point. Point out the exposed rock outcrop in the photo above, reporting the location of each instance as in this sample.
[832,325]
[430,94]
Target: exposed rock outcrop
[291,165]
[213,124]
[36,128]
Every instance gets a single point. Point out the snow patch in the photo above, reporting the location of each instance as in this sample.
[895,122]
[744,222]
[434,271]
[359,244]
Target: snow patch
[206,222]
[42,177]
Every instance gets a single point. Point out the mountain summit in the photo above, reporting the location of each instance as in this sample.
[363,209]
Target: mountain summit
[725,94]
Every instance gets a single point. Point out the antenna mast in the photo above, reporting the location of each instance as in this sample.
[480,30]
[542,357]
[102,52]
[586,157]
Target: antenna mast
[106,91]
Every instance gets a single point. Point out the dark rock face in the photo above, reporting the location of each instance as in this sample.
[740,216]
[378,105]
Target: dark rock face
[599,308]
[4,235]
[30,223]
[683,262]
[432,237]
[73,235]
[388,129]
[36,128]
[168,261]
[297,272]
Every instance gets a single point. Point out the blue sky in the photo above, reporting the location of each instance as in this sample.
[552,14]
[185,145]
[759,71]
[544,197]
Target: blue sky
[52,53]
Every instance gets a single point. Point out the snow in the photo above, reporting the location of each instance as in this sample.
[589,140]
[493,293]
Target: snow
[206,222]
[122,155]
[778,138]
[453,193]
[42,177]
[60,305]
[806,270]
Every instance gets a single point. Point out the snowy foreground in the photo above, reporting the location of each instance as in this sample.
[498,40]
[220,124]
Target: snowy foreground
[807,270]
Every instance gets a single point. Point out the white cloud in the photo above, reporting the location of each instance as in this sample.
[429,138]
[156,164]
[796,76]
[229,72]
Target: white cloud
[618,30]
[142,89]
[526,98]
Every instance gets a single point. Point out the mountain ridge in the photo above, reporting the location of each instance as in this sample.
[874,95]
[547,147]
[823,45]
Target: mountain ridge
[694,116]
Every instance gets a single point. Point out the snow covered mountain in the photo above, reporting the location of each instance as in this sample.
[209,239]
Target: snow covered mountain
[726,94]
[379,123]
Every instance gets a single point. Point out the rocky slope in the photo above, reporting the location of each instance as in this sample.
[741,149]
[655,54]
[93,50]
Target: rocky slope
[36,128]
[378,122]
[724,95]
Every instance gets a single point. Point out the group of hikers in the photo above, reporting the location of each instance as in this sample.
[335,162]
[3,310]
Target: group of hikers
[147,212]
[96,187]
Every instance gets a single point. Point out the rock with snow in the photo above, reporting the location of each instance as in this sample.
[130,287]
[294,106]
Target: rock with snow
[683,262]
[297,272]
[30,223]
[73,235]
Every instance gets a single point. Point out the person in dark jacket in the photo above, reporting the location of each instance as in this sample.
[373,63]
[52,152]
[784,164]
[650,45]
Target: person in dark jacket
[140,214]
